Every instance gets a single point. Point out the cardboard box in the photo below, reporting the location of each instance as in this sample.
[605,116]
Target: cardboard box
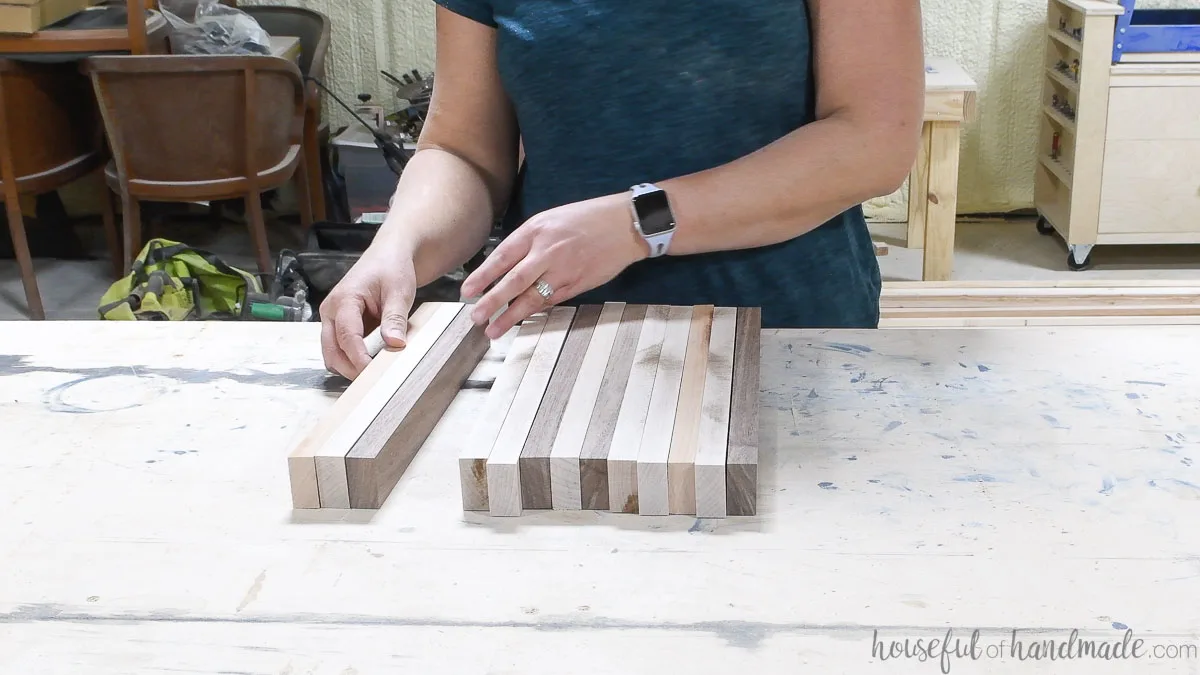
[26,17]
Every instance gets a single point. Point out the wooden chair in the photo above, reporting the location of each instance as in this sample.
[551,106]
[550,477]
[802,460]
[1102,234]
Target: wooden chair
[50,135]
[201,128]
[314,30]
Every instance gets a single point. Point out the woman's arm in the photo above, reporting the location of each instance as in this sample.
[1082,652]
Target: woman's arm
[465,164]
[870,77]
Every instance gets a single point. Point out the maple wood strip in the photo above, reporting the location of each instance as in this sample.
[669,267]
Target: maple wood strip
[302,467]
[631,420]
[504,463]
[535,456]
[377,461]
[593,458]
[655,446]
[714,417]
[573,428]
[426,326]
[741,466]
[472,458]
[681,464]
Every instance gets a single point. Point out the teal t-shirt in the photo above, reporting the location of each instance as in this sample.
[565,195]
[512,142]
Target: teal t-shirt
[612,93]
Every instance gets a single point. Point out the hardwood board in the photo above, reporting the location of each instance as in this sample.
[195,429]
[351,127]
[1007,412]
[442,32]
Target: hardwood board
[631,419]
[535,456]
[390,369]
[376,462]
[741,464]
[473,456]
[593,458]
[503,464]
[714,418]
[681,464]
[573,428]
[655,448]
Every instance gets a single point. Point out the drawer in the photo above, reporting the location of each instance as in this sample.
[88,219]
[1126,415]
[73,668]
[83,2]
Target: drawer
[1140,113]
[1151,186]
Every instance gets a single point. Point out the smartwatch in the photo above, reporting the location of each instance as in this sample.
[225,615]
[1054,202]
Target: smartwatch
[652,217]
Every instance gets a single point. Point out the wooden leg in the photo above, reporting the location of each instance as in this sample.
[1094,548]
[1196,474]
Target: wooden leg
[258,231]
[16,226]
[304,195]
[943,202]
[111,235]
[312,166]
[132,228]
[918,192]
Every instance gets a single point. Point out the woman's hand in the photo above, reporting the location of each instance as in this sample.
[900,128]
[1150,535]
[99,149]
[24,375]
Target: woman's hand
[380,287]
[572,248]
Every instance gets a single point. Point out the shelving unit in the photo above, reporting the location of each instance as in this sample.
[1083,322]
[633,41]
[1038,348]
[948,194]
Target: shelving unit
[1119,148]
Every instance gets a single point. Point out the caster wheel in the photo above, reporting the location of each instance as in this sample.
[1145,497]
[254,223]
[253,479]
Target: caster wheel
[1044,226]
[1076,266]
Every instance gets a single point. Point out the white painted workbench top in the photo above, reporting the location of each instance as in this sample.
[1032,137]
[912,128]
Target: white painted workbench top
[912,482]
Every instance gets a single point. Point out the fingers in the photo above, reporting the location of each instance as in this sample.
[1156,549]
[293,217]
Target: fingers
[510,252]
[348,330]
[525,305]
[335,361]
[393,320]
[525,274]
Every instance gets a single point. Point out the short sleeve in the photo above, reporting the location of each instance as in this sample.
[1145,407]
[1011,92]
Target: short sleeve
[476,10]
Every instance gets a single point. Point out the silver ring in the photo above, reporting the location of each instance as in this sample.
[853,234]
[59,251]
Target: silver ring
[543,289]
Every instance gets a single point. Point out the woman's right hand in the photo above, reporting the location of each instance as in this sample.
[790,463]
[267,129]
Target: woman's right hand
[378,290]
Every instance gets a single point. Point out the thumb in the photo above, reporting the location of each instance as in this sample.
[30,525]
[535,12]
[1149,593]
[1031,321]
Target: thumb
[393,324]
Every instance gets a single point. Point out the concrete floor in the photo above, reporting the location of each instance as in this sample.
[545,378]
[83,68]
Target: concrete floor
[989,250]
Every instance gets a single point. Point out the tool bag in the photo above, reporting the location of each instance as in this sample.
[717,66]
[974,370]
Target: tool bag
[170,281]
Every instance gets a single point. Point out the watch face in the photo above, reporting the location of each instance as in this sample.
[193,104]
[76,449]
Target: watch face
[654,213]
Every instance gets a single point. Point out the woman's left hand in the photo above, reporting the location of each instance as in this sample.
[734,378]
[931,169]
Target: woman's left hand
[571,249]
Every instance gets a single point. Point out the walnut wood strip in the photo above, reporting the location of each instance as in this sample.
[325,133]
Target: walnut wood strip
[472,459]
[573,428]
[394,367]
[655,446]
[503,464]
[714,418]
[631,420]
[681,464]
[535,456]
[376,462]
[741,466]
[593,459]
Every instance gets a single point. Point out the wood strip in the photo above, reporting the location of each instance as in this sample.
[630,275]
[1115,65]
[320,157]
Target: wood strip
[714,418]
[504,462]
[573,428]
[593,458]
[681,465]
[741,465]
[392,368]
[535,456]
[472,459]
[377,461]
[631,420]
[655,446]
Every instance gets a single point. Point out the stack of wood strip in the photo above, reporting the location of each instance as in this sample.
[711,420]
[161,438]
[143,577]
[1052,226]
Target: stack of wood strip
[986,304]
[646,409]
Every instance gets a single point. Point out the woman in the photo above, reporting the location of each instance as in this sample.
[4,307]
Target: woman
[755,130]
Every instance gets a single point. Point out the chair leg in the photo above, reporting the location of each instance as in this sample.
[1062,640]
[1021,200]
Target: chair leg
[132,230]
[304,196]
[312,159]
[111,234]
[258,231]
[16,226]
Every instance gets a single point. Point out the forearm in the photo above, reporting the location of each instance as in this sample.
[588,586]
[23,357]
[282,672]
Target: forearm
[441,214]
[793,185]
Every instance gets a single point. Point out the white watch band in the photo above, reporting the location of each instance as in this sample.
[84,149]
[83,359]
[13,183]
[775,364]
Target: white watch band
[659,243]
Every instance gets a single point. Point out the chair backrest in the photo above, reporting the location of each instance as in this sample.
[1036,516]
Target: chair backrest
[48,124]
[175,120]
[312,27]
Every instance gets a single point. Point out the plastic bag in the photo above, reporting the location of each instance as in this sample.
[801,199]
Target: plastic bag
[208,27]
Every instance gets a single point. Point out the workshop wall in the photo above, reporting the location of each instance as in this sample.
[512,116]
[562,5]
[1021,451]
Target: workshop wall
[999,42]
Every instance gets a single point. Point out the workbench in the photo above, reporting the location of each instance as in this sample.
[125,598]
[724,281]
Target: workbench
[912,481]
